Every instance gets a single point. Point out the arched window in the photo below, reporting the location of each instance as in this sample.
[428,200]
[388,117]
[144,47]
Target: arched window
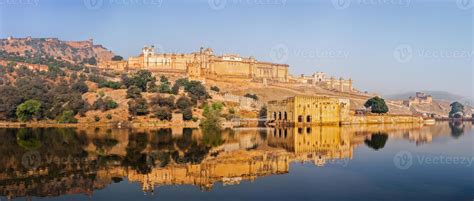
[308,118]
[308,130]
[285,116]
[279,115]
[274,115]
[300,118]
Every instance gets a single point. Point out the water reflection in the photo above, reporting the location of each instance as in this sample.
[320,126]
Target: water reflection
[54,162]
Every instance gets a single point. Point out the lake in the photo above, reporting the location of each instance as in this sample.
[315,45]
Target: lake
[363,162]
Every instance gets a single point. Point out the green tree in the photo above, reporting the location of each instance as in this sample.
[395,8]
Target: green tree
[134,92]
[456,107]
[183,103]
[10,98]
[163,102]
[138,107]
[67,117]
[164,79]
[141,79]
[175,89]
[163,113]
[152,87]
[377,105]
[212,115]
[196,91]
[165,88]
[187,114]
[27,110]
[110,104]
[80,87]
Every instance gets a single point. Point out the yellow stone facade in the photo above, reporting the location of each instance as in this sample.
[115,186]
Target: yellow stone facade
[203,63]
[309,110]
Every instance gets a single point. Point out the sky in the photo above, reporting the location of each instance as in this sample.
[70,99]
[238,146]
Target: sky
[385,46]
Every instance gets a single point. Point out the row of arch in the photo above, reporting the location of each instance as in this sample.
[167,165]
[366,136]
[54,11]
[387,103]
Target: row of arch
[284,116]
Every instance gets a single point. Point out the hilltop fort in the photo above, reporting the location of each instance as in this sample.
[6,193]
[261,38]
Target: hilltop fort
[202,64]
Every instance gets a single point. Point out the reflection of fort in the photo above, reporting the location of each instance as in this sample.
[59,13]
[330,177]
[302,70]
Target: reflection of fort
[107,156]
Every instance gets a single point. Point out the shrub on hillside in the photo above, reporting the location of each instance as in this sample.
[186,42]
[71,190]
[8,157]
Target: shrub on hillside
[163,113]
[80,87]
[183,103]
[67,117]
[134,92]
[28,110]
[187,114]
[138,107]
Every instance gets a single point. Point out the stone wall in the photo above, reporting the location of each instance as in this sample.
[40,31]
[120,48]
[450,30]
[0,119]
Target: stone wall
[244,102]
[385,119]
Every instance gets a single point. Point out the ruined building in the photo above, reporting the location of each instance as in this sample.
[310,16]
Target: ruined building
[321,79]
[420,98]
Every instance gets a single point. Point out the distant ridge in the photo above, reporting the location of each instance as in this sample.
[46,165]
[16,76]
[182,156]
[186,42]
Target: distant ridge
[437,95]
[71,51]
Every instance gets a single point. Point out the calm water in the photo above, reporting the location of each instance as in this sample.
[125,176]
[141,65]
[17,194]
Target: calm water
[399,162]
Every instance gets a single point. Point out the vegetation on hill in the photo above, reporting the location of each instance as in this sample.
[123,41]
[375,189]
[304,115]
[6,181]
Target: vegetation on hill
[57,94]
[212,115]
[32,50]
[41,95]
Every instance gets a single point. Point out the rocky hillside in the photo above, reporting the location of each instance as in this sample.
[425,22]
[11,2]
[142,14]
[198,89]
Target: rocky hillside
[72,51]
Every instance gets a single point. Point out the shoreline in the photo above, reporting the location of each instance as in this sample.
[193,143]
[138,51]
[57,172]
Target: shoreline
[355,120]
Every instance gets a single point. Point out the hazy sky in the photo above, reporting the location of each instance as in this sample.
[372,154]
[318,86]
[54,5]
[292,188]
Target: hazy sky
[385,46]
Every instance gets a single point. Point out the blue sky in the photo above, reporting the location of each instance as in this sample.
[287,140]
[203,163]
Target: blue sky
[385,46]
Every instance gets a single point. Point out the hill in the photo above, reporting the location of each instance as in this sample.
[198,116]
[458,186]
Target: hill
[35,49]
[437,95]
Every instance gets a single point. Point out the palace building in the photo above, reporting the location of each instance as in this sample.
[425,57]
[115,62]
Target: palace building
[309,110]
[203,64]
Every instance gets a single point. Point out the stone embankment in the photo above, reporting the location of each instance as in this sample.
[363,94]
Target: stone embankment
[385,119]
